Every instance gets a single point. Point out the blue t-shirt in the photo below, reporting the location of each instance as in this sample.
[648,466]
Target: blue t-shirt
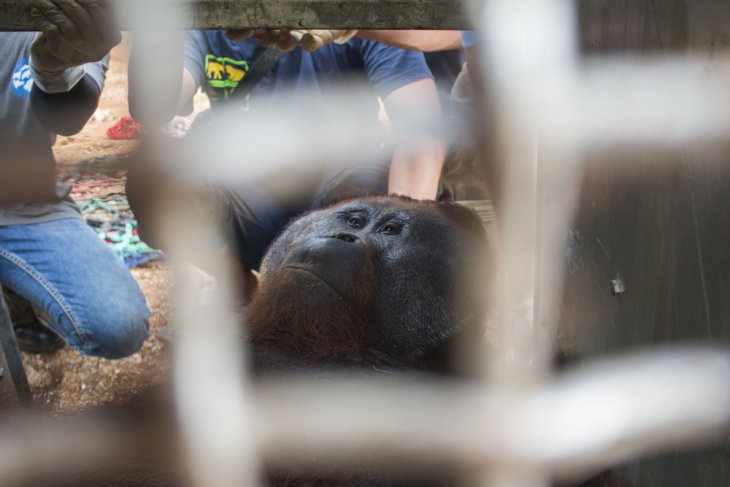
[218,65]
[469,38]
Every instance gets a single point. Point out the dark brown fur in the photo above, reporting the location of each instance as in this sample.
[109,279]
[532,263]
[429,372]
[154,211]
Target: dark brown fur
[310,320]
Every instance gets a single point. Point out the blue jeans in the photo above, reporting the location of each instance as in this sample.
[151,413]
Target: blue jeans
[76,284]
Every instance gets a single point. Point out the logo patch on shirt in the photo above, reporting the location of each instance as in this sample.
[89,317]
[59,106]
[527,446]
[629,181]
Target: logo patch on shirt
[223,75]
[22,81]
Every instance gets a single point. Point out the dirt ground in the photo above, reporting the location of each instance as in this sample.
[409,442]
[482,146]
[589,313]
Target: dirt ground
[92,140]
[66,380]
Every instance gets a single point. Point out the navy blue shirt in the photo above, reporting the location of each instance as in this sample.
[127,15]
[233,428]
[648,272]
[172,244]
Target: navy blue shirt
[219,64]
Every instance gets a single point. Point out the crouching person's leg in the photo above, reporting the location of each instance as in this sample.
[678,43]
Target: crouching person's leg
[249,217]
[77,285]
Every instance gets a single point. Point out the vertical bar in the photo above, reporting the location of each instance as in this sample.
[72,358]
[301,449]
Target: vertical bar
[13,381]
[528,59]
[209,373]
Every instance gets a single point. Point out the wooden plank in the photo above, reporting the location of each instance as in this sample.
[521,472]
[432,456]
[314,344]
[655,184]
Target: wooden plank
[654,219]
[654,27]
[226,14]
[647,256]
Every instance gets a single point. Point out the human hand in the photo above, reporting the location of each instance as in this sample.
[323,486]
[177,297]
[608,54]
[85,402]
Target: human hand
[313,39]
[286,39]
[72,33]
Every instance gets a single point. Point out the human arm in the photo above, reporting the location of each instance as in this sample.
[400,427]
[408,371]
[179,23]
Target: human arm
[311,40]
[157,70]
[415,40]
[287,39]
[406,86]
[416,167]
[66,113]
[66,86]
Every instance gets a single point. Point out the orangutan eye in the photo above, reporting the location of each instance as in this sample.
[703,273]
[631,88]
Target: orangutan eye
[355,221]
[391,229]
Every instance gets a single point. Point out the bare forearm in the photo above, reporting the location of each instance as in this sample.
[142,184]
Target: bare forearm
[156,73]
[417,163]
[415,40]
[415,172]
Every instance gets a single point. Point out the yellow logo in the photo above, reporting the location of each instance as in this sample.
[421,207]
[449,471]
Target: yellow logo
[215,70]
[234,74]
[223,75]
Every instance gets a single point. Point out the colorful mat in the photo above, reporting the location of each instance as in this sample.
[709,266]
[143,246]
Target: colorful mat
[98,189]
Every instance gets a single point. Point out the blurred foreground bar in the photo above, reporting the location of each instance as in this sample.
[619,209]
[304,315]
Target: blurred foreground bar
[243,14]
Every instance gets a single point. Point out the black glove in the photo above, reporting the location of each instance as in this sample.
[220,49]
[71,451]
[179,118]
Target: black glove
[73,32]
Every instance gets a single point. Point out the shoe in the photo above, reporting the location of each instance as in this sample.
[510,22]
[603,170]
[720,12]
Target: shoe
[34,337]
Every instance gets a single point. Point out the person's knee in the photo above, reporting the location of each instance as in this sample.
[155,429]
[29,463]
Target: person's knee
[117,332]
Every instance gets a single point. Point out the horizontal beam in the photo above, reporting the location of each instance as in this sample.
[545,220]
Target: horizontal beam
[242,14]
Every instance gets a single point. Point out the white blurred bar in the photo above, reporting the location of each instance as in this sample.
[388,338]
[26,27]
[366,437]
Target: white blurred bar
[583,421]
